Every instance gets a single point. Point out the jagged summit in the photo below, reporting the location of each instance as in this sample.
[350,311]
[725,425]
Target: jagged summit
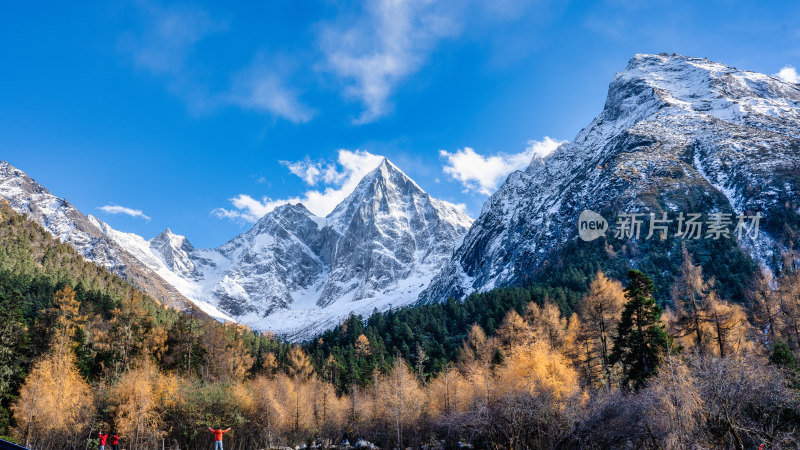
[676,133]
[168,236]
[697,85]
[295,273]
[380,184]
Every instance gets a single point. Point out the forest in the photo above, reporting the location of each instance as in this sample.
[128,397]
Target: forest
[604,364]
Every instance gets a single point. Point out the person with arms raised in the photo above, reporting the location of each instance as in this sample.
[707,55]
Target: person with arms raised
[218,437]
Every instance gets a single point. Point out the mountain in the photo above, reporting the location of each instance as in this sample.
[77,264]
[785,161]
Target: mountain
[297,274]
[293,272]
[86,234]
[677,134]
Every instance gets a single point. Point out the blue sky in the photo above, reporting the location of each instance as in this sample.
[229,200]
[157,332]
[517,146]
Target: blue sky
[201,116]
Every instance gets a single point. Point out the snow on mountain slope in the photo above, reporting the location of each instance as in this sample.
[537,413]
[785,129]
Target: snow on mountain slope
[390,230]
[292,272]
[296,274]
[676,134]
[86,234]
[149,254]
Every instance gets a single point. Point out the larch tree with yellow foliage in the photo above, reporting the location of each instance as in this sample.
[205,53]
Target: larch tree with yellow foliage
[400,399]
[691,296]
[476,352]
[600,311]
[300,370]
[138,399]
[546,324]
[55,402]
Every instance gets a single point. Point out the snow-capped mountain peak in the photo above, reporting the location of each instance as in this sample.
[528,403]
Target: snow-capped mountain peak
[675,133]
[697,85]
[91,237]
[175,250]
[295,273]
[292,272]
[381,186]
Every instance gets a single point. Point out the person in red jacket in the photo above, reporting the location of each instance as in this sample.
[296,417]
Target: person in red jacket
[102,438]
[114,442]
[218,437]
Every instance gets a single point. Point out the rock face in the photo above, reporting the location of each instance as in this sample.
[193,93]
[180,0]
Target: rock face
[296,274]
[677,134]
[292,272]
[86,234]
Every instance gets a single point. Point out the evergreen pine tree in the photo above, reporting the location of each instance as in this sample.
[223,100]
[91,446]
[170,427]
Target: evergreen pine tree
[641,340]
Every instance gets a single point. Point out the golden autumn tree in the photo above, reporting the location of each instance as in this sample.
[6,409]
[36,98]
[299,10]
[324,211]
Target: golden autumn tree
[363,348]
[600,311]
[765,303]
[546,324]
[55,400]
[514,329]
[474,346]
[300,370]
[400,399]
[329,410]
[269,364]
[139,398]
[728,328]
[538,369]
[450,392]
[68,319]
[475,356]
[268,411]
[227,357]
[690,295]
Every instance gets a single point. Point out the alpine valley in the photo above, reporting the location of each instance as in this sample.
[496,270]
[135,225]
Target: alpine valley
[677,134]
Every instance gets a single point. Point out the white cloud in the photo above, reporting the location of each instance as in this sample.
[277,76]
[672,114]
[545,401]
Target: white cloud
[314,172]
[461,207]
[163,46]
[117,209]
[338,180]
[788,74]
[389,41]
[376,48]
[262,88]
[248,208]
[167,36]
[484,174]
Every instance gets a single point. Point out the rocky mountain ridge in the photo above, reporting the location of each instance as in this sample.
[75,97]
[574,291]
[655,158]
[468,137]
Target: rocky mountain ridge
[677,134]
